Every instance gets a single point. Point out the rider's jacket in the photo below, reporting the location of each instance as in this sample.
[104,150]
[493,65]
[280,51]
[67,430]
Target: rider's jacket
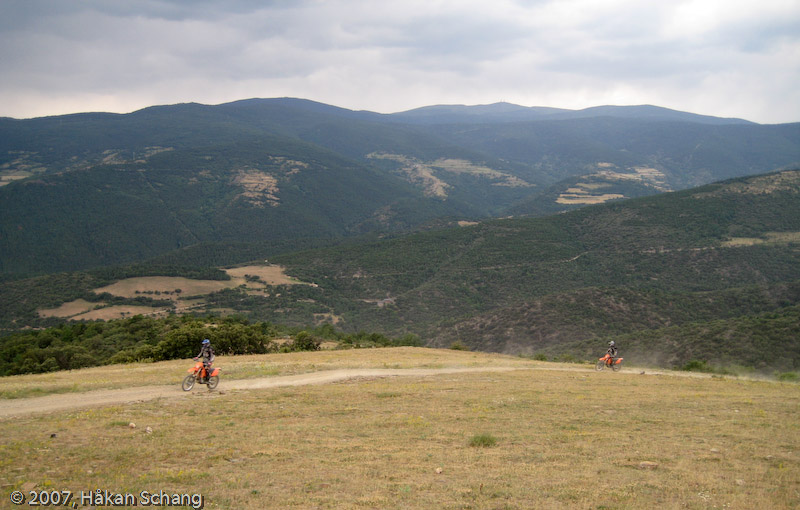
[207,353]
[612,351]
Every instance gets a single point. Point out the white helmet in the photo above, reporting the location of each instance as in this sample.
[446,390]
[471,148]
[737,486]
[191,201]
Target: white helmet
[611,343]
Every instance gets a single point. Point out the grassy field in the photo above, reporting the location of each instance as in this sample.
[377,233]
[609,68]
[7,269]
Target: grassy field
[544,436]
[182,291]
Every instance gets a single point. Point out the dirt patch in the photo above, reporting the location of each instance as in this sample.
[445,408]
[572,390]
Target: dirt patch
[70,309]
[260,189]
[586,198]
[167,287]
[423,173]
[417,173]
[270,275]
[770,238]
[461,166]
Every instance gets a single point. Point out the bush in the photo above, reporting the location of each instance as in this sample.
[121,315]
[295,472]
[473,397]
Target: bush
[458,346]
[789,376]
[303,341]
[409,340]
[483,441]
[697,365]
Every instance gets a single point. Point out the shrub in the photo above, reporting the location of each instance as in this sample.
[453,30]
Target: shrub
[303,341]
[483,441]
[409,340]
[697,365]
[458,346]
[789,376]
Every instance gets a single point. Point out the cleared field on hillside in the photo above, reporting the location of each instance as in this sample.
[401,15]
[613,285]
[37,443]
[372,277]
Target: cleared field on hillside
[564,437]
[168,285]
[256,279]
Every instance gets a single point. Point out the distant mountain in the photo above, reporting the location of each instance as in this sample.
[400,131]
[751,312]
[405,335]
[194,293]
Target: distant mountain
[507,112]
[97,189]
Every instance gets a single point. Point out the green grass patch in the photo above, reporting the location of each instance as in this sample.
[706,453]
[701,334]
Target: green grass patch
[483,441]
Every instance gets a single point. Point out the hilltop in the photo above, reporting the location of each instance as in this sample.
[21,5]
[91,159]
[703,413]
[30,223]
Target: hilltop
[490,432]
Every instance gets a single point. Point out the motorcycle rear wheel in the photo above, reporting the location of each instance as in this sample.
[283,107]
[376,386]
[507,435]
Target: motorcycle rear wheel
[213,381]
[600,365]
[188,382]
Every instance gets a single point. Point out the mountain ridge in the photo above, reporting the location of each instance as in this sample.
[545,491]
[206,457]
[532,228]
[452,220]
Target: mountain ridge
[236,168]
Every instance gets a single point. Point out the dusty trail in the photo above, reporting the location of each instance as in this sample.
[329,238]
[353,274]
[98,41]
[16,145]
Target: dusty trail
[70,401]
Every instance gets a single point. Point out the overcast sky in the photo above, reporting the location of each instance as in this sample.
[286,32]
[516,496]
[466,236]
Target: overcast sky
[730,58]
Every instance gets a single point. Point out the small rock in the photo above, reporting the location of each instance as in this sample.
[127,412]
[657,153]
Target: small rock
[148,430]
[648,465]
[132,425]
[53,435]
[739,482]
[714,450]
[439,471]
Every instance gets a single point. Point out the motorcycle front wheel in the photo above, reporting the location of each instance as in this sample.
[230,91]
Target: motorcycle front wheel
[188,382]
[616,366]
[213,381]
[600,365]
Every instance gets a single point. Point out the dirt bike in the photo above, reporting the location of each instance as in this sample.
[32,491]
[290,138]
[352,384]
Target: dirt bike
[606,361]
[198,373]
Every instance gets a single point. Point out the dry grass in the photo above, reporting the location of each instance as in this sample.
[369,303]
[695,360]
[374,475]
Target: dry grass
[246,367]
[270,275]
[770,238]
[132,287]
[69,309]
[580,198]
[174,289]
[563,439]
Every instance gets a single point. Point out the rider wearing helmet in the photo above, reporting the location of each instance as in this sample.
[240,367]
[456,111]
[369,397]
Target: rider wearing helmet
[612,351]
[207,353]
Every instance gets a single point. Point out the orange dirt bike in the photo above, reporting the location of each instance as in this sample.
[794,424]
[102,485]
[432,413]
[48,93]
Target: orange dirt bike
[198,373]
[608,361]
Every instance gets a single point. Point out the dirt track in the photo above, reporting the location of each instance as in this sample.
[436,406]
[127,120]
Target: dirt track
[69,401]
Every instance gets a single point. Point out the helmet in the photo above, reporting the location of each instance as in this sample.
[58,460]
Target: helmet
[611,343]
[206,341]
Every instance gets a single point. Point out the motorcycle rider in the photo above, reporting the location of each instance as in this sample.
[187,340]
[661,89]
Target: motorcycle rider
[207,354]
[612,352]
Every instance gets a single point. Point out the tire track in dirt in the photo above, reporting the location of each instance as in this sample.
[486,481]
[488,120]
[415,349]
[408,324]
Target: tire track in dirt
[14,408]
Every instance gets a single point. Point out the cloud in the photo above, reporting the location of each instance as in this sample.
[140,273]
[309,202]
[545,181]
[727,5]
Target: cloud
[731,58]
